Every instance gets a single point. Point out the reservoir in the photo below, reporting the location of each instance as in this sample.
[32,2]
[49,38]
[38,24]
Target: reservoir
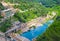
[33,33]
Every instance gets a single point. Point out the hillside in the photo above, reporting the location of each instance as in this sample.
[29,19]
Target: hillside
[47,3]
[30,9]
[53,32]
[26,10]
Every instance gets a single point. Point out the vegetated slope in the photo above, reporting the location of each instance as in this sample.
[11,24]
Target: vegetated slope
[4,26]
[37,6]
[31,9]
[27,4]
[47,3]
[57,1]
[53,32]
[1,7]
[23,4]
[34,12]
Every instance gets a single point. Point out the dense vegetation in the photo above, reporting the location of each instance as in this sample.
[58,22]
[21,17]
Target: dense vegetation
[47,3]
[53,32]
[35,12]
[33,7]
[5,25]
[1,7]
[57,1]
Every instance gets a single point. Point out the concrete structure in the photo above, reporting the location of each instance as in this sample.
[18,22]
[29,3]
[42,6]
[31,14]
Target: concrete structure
[7,12]
[17,37]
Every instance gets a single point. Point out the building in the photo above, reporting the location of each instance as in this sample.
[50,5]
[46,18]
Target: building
[7,12]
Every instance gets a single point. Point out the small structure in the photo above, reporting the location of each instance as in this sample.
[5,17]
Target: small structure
[16,27]
[7,12]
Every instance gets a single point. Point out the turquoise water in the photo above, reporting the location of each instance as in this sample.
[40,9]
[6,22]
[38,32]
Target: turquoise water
[37,31]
